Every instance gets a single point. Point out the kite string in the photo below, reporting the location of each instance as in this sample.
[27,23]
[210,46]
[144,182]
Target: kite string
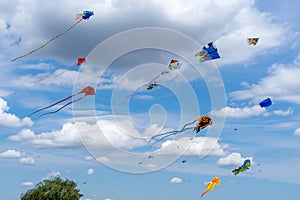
[43,45]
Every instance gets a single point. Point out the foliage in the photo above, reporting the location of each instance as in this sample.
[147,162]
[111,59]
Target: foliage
[53,189]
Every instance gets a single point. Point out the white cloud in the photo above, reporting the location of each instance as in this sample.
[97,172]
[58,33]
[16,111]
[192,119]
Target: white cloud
[27,161]
[108,199]
[11,154]
[239,112]
[90,171]
[103,159]
[27,184]
[289,111]
[176,180]
[199,146]
[233,159]
[297,132]
[52,174]
[88,158]
[281,84]
[11,120]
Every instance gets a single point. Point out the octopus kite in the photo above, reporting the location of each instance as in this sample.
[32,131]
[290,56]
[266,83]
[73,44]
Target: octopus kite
[87,91]
[174,64]
[211,185]
[244,167]
[208,53]
[203,122]
[79,17]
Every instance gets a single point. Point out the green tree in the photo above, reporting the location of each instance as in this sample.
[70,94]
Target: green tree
[53,189]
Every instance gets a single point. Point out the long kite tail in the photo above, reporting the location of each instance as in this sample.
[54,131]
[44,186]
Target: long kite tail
[50,76]
[43,45]
[173,132]
[60,107]
[51,105]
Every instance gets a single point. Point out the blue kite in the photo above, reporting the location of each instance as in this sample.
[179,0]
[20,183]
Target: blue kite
[208,53]
[265,103]
[244,167]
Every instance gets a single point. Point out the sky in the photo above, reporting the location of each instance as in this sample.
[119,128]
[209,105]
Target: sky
[105,145]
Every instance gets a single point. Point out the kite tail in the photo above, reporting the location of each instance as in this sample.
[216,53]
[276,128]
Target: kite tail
[60,107]
[51,105]
[204,193]
[47,77]
[43,45]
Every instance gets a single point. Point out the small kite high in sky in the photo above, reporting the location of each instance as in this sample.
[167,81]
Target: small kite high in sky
[152,85]
[79,62]
[265,103]
[84,16]
[87,91]
[244,167]
[174,64]
[203,122]
[208,53]
[211,185]
[253,41]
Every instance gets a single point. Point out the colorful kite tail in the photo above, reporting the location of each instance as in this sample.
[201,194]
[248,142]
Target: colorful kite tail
[51,105]
[43,45]
[60,107]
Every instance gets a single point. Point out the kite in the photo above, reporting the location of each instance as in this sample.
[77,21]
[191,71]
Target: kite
[87,91]
[84,16]
[211,185]
[174,64]
[265,103]
[152,85]
[208,53]
[203,122]
[244,167]
[253,41]
[79,62]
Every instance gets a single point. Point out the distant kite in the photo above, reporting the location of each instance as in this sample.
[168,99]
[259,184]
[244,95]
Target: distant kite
[174,64]
[210,186]
[203,122]
[84,16]
[244,167]
[208,53]
[87,91]
[253,41]
[265,103]
[79,62]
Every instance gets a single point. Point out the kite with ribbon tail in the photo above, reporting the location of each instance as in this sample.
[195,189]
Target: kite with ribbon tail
[203,122]
[210,186]
[84,16]
[174,64]
[208,53]
[87,91]
[79,62]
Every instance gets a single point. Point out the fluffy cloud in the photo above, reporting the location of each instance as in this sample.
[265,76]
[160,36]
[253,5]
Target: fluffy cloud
[88,158]
[90,171]
[199,146]
[282,84]
[297,132]
[239,112]
[27,161]
[176,180]
[11,154]
[233,159]
[52,174]
[27,183]
[103,159]
[289,111]
[11,120]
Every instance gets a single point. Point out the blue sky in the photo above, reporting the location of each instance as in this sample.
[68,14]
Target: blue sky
[126,44]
